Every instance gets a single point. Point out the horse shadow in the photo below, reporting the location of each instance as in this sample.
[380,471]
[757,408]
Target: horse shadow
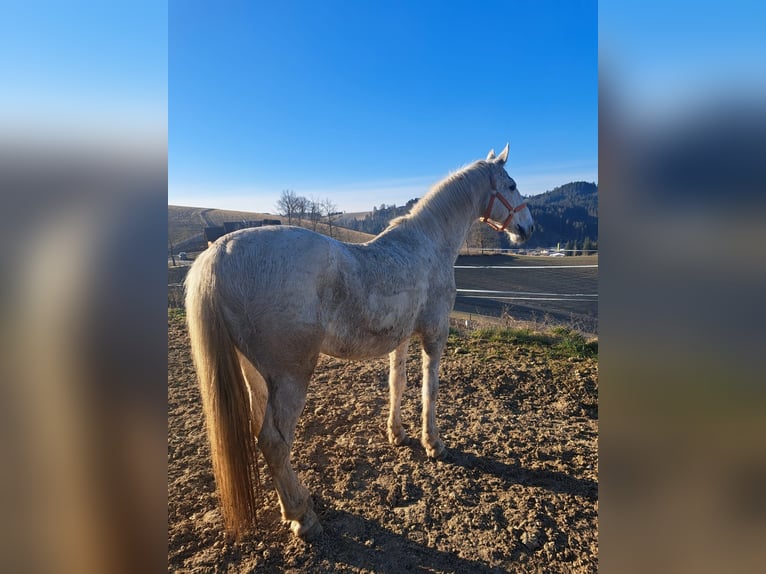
[351,540]
[514,473]
[510,473]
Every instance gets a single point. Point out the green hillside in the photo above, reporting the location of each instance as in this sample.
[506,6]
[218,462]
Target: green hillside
[566,214]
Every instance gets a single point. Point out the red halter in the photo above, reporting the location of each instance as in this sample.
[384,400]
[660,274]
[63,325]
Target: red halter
[511,212]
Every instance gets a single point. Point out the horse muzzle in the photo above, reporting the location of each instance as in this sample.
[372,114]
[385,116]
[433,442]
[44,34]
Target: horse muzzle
[522,233]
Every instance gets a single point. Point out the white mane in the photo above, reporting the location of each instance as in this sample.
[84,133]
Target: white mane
[455,193]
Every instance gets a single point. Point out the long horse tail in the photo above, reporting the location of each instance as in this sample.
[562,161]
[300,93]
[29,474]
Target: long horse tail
[225,400]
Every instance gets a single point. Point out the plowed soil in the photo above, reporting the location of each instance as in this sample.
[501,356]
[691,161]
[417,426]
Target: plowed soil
[517,492]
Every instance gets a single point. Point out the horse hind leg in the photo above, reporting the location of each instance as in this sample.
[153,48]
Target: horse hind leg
[397,380]
[287,397]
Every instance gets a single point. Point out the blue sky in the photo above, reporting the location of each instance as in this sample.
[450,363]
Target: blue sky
[84,66]
[372,102]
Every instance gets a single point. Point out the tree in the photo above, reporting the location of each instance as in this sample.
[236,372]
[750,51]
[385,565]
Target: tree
[314,212]
[287,205]
[301,208]
[329,209]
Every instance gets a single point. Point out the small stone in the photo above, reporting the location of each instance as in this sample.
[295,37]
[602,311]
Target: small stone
[211,517]
[530,540]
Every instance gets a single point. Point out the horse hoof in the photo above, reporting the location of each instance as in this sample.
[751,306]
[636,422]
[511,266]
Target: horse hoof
[436,452]
[312,533]
[399,439]
[402,441]
[309,529]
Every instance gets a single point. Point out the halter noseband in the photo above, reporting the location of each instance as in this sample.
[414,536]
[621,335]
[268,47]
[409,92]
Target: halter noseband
[511,210]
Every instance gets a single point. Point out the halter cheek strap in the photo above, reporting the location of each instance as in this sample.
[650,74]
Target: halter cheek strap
[511,210]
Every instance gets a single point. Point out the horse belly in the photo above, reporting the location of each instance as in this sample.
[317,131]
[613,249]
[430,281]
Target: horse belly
[373,332]
[365,346]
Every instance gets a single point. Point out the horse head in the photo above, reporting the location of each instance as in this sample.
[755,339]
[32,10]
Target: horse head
[506,210]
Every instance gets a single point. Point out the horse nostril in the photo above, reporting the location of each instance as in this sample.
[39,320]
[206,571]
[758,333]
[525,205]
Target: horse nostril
[525,232]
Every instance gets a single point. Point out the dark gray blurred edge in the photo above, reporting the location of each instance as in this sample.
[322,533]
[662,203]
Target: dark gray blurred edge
[83,236]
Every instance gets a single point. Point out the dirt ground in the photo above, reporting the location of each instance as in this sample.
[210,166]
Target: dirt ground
[517,492]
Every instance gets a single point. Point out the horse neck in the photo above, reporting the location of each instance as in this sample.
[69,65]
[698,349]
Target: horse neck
[447,212]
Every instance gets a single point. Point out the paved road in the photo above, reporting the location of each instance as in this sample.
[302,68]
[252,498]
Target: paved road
[557,293]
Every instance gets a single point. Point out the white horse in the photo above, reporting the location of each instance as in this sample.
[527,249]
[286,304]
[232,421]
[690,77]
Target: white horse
[263,303]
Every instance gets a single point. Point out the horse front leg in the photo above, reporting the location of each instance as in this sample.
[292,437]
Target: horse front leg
[432,353]
[397,380]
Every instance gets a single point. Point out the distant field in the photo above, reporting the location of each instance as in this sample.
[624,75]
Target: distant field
[355,215]
[184,223]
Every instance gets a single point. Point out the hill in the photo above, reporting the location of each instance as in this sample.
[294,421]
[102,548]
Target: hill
[377,220]
[566,214]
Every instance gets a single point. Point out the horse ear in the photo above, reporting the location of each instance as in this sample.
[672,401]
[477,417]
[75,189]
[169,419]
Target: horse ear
[491,154]
[503,157]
